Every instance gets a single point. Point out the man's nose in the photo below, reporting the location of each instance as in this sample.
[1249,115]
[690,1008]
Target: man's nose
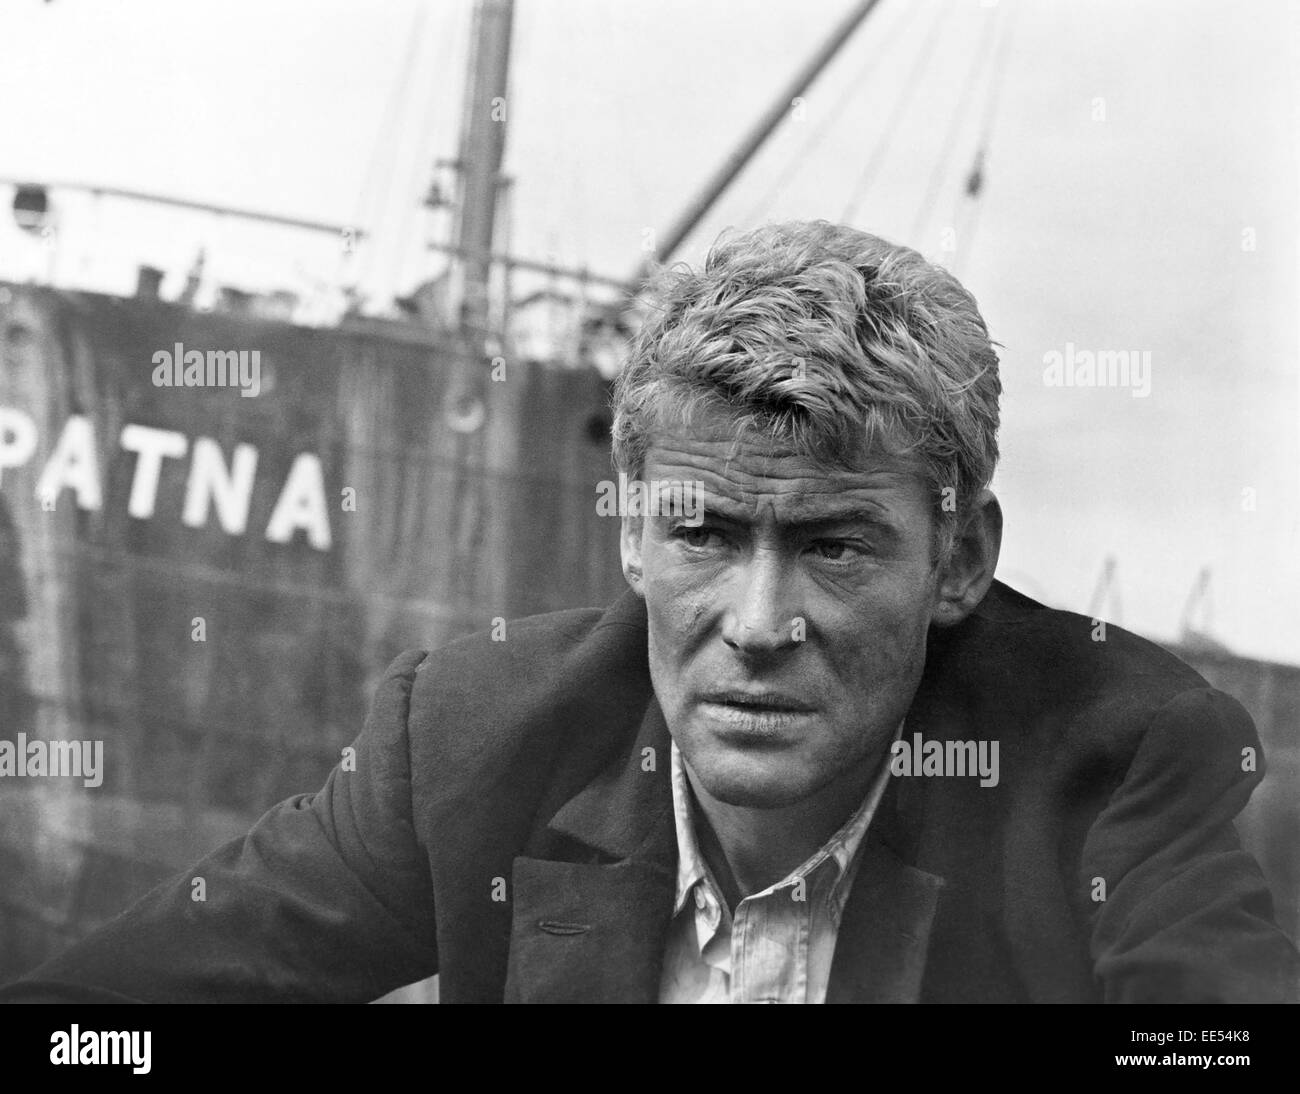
[759,618]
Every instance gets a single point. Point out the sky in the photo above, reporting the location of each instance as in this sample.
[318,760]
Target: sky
[1139,194]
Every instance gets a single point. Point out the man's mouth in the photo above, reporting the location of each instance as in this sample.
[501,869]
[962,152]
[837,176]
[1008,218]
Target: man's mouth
[759,702]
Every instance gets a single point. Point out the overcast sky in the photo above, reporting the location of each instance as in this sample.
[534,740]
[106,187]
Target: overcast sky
[1140,194]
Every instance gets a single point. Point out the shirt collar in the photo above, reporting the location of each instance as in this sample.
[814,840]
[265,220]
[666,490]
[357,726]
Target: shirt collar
[690,863]
[841,849]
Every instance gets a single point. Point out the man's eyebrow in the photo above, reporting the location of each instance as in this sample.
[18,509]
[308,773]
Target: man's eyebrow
[872,515]
[805,518]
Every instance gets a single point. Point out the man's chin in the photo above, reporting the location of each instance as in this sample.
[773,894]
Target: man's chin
[748,783]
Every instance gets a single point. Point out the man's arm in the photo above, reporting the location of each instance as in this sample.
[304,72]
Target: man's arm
[328,898]
[1187,916]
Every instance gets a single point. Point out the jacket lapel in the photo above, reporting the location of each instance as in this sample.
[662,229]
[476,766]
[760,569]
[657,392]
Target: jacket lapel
[593,931]
[885,931]
[884,936]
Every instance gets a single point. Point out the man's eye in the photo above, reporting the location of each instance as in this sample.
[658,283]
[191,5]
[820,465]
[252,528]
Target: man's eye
[696,536]
[834,550]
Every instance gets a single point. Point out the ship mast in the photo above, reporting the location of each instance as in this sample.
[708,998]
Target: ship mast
[752,141]
[482,147]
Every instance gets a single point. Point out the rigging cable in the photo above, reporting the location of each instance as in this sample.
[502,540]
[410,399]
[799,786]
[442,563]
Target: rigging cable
[370,202]
[974,188]
[418,183]
[818,134]
[910,83]
[979,58]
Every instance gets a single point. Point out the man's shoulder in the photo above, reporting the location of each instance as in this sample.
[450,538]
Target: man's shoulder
[535,653]
[514,692]
[1071,675]
[1077,649]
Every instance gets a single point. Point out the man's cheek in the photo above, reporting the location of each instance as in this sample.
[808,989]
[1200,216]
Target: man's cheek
[891,651]
[678,596]
[676,617]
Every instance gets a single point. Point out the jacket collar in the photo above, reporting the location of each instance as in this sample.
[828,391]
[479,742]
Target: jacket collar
[626,810]
[884,935]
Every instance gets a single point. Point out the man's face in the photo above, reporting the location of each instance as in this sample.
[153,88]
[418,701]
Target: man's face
[788,629]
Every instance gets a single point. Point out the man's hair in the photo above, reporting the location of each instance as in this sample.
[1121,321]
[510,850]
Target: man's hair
[829,340]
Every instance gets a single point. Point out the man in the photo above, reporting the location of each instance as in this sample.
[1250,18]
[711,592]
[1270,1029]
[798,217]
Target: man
[815,754]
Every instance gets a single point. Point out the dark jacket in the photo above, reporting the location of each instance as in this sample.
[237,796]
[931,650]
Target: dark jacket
[508,824]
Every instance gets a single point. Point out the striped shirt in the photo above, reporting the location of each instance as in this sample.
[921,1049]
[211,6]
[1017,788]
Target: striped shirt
[778,946]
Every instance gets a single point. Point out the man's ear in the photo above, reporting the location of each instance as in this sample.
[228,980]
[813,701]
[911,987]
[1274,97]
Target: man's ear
[629,547]
[968,573]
